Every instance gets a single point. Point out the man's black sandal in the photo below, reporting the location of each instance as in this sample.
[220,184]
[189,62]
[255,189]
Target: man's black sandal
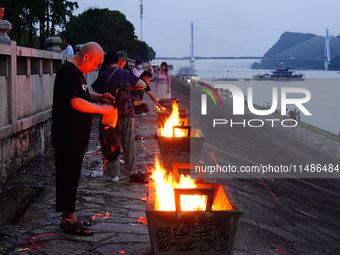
[78,229]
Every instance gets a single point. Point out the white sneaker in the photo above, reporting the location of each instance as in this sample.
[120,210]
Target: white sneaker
[121,161]
[113,179]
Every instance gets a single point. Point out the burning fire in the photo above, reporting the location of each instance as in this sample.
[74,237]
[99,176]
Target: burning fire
[165,195]
[173,120]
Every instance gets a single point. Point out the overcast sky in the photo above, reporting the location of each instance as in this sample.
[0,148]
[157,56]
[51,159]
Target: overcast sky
[222,27]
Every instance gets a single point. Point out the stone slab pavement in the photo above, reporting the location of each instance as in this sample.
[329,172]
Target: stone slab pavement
[305,220]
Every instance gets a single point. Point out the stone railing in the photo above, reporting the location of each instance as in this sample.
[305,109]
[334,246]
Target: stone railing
[26,96]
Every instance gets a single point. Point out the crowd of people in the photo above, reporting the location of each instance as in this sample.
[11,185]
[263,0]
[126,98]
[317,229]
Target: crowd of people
[118,97]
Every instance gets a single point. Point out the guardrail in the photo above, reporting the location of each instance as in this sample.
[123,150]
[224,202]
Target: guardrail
[26,97]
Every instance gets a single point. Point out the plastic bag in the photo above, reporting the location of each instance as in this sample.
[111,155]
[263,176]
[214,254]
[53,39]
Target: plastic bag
[109,142]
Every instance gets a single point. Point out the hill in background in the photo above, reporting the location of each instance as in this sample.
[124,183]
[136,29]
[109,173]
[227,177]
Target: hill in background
[300,51]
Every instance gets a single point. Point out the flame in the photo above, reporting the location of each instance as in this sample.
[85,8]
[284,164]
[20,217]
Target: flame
[165,195]
[173,120]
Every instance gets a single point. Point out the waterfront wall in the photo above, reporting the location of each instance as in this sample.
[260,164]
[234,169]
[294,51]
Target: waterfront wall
[26,96]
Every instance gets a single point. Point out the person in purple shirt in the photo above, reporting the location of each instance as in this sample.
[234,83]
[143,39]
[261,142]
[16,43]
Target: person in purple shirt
[119,82]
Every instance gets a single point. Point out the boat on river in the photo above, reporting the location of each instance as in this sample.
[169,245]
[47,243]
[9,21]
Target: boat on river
[280,75]
[187,72]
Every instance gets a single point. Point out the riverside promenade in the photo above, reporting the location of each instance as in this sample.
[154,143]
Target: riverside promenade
[305,218]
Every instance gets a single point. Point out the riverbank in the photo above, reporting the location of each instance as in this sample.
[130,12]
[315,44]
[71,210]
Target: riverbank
[322,84]
[304,220]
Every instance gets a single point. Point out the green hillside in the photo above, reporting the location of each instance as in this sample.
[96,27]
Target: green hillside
[286,41]
[299,51]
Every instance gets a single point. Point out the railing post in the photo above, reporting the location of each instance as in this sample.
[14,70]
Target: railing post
[5,27]
[53,44]
[12,104]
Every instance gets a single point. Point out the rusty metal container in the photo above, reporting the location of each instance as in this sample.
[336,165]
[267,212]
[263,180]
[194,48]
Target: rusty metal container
[181,149]
[209,232]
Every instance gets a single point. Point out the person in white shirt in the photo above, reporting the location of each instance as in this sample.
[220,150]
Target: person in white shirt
[68,49]
[137,71]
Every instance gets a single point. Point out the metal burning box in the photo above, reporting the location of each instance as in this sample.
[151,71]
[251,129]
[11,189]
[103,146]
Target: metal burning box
[167,102]
[185,149]
[194,232]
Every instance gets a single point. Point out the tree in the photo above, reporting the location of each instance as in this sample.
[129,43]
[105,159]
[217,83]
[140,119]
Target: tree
[24,16]
[60,11]
[144,51]
[110,29]
[14,13]
[53,13]
[335,63]
[151,53]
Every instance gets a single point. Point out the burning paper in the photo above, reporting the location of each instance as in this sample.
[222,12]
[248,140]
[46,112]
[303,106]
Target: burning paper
[173,120]
[142,220]
[165,195]
[99,216]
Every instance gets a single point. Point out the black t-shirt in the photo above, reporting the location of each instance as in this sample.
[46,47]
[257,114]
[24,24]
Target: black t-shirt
[147,88]
[70,128]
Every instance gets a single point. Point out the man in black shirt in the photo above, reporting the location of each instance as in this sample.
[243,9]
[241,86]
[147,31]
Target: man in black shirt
[146,77]
[71,125]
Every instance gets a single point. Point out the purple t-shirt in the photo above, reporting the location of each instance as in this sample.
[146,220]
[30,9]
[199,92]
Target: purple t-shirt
[163,78]
[119,87]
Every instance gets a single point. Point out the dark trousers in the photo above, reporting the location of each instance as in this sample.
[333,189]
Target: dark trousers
[141,108]
[68,167]
[138,94]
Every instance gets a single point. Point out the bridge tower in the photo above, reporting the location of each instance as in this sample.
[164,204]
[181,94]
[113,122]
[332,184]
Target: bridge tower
[141,20]
[192,56]
[327,56]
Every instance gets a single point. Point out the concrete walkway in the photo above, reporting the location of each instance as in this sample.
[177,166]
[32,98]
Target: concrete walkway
[305,220]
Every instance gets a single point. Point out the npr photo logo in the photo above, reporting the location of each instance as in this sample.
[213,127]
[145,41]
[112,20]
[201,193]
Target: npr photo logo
[239,105]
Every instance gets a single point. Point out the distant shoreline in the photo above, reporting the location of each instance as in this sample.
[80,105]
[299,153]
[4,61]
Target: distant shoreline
[177,58]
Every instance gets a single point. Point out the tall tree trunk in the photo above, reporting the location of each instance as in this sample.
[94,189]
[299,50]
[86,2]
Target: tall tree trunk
[53,24]
[42,33]
[19,37]
[47,19]
[30,32]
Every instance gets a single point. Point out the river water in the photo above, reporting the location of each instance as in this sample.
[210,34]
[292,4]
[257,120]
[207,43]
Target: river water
[324,87]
